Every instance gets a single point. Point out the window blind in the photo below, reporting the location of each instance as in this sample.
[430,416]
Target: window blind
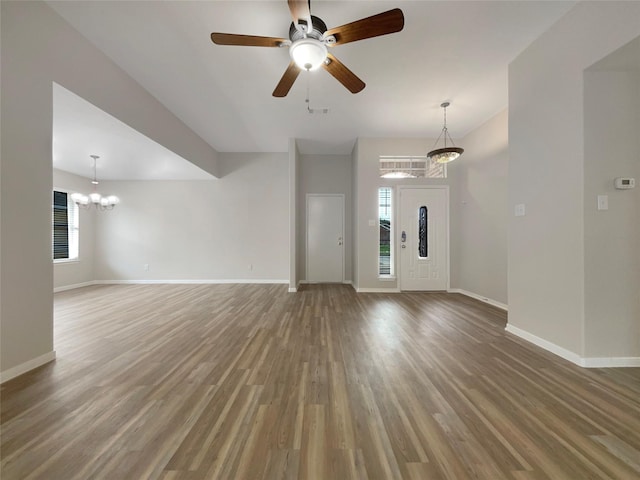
[60,225]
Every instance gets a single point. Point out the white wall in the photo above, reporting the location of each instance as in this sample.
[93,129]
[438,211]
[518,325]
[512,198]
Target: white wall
[39,48]
[325,174]
[546,269]
[232,228]
[78,271]
[367,158]
[612,237]
[479,211]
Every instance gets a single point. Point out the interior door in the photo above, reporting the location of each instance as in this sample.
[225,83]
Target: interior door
[325,238]
[424,242]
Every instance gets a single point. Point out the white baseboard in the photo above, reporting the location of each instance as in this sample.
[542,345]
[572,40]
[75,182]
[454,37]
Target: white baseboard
[586,362]
[482,298]
[74,286]
[174,282]
[545,344]
[27,366]
[610,362]
[193,281]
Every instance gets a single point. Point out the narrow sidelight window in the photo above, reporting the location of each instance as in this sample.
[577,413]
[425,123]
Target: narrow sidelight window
[423,246]
[385,250]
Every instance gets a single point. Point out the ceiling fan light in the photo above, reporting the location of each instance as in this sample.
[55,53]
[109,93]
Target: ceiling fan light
[95,197]
[308,53]
[445,155]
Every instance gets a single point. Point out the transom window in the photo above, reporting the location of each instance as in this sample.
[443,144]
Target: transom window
[411,167]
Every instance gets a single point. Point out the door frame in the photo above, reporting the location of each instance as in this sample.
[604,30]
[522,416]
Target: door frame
[306,233]
[398,230]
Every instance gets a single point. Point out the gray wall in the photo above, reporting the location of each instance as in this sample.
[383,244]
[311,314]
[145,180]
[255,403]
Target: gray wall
[325,174]
[612,237]
[39,48]
[81,270]
[479,211]
[546,259]
[232,228]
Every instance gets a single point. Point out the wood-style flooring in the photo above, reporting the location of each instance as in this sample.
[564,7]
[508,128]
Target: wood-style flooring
[251,382]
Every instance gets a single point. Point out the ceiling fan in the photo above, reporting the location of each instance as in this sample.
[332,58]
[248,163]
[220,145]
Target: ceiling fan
[309,39]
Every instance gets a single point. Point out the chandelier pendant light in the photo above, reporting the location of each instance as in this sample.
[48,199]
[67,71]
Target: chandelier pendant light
[94,198]
[445,154]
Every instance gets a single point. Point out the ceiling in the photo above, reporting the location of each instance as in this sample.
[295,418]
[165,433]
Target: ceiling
[625,59]
[81,129]
[450,50]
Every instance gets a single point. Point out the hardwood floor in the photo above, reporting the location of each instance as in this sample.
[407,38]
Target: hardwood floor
[251,382]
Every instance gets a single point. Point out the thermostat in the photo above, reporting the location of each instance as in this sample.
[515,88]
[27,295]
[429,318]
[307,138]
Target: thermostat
[623,183]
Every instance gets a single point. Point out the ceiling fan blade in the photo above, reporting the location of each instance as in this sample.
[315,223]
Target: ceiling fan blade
[300,10]
[374,26]
[286,82]
[345,76]
[246,40]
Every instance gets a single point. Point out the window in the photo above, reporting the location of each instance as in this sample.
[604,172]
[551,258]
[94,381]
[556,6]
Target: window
[423,220]
[385,244]
[65,233]
[411,167]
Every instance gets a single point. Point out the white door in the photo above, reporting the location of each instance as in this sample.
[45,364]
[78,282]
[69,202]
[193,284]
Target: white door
[325,238]
[423,239]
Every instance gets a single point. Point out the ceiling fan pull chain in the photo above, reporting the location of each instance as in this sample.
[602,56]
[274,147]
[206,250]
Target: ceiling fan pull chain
[308,100]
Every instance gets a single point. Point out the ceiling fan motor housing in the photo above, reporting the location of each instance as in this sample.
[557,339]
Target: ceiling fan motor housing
[317,30]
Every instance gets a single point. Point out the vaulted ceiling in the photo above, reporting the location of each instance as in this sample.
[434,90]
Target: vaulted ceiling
[450,50]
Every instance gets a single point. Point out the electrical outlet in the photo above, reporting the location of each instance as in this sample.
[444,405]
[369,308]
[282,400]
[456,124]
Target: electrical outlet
[251,266]
[146,267]
[519,210]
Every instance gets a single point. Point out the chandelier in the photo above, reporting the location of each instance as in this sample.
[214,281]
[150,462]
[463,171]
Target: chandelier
[95,199]
[446,154]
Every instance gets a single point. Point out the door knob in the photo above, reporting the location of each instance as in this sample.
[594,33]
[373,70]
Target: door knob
[404,246]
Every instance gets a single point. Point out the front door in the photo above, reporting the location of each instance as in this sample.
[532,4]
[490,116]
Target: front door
[424,242]
[325,238]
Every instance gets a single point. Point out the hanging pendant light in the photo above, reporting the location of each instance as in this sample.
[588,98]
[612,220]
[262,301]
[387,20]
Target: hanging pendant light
[95,199]
[446,154]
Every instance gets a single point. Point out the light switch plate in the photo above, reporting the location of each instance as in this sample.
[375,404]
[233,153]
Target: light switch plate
[519,210]
[603,202]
